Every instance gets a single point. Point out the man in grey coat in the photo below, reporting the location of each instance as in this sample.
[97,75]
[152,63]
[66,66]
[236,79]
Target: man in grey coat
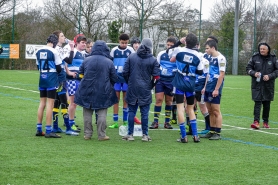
[96,91]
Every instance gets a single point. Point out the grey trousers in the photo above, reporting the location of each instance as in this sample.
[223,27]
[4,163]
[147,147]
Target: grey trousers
[101,122]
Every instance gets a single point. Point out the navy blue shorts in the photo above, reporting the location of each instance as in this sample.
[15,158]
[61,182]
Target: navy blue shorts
[179,95]
[209,99]
[120,87]
[48,92]
[165,87]
[187,94]
[198,95]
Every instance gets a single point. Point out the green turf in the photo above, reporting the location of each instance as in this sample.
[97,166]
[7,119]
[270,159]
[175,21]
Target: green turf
[243,156]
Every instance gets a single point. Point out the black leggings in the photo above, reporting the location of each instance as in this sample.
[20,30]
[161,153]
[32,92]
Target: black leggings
[180,99]
[257,110]
[61,100]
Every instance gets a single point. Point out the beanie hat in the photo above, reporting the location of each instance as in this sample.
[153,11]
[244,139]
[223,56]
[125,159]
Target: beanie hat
[148,43]
[52,39]
[134,40]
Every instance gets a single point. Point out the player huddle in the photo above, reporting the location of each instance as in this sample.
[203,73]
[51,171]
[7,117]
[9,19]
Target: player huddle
[180,75]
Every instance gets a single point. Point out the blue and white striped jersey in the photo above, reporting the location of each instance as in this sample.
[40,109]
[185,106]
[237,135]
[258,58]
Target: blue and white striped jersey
[47,59]
[216,64]
[119,58]
[167,68]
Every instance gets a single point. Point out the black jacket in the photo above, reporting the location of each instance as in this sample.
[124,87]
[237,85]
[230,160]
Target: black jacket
[138,71]
[96,90]
[266,65]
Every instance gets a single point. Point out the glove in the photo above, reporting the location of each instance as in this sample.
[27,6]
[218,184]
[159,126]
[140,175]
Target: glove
[154,80]
[79,76]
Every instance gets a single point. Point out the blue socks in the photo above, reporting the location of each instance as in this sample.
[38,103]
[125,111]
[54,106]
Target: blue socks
[115,117]
[48,129]
[66,121]
[217,130]
[182,129]
[71,122]
[168,109]
[157,110]
[125,113]
[39,127]
[212,129]
[55,119]
[207,121]
[193,124]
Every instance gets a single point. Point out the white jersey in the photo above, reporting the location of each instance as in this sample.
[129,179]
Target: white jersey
[63,53]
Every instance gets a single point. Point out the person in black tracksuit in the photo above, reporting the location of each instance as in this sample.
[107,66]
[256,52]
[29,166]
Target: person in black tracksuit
[263,68]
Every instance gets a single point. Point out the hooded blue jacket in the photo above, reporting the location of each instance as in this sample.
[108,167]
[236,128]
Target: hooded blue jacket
[138,71]
[96,89]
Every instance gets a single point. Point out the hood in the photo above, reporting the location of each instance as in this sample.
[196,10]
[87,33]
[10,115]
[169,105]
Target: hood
[269,49]
[144,52]
[101,48]
[134,40]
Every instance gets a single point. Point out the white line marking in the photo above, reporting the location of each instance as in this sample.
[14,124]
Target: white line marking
[235,88]
[27,72]
[240,88]
[19,89]
[242,128]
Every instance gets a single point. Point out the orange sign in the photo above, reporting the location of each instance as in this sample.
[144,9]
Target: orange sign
[14,51]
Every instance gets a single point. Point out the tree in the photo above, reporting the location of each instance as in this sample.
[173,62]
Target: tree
[176,19]
[226,31]
[265,15]
[114,30]
[93,17]
[226,37]
[5,6]
[132,14]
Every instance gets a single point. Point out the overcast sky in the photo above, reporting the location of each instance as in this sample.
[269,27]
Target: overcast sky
[205,3]
[192,3]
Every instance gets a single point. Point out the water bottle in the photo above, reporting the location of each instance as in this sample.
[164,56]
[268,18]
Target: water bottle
[259,77]
[123,130]
[67,40]
[202,99]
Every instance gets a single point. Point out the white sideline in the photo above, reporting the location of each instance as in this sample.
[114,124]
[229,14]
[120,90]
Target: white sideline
[242,128]
[18,89]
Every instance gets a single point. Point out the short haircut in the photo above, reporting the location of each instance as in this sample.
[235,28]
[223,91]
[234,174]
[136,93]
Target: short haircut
[172,39]
[211,43]
[89,41]
[124,36]
[57,33]
[213,38]
[78,38]
[52,39]
[264,44]
[191,40]
[81,38]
